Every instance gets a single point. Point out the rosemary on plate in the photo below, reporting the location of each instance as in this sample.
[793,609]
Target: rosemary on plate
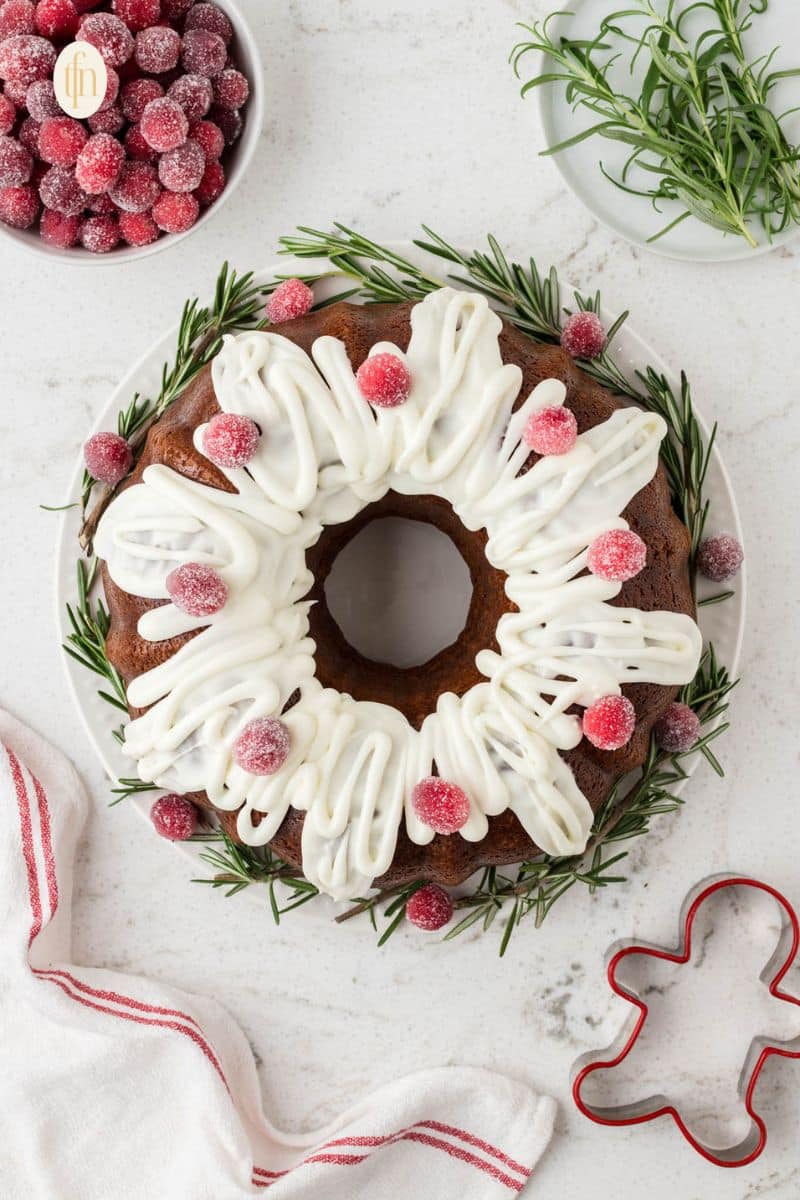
[533,302]
[696,114]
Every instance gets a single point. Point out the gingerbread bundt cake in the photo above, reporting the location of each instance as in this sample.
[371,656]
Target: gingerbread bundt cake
[244,693]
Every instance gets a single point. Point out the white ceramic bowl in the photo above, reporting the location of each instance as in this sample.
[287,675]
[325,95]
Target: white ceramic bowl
[236,161]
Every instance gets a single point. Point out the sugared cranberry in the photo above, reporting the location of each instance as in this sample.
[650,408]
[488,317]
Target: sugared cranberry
[59,230]
[229,121]
[384,381]
[263,746]
[181,170]
[583,336]
[719,558]
[110,36]
[137,148]
[109,120]
[552,430]
[194,93]
[211,17]
[101,205]
[56,19]
[617,555]
[59,189]
[197,589]
[138,229]
[17,16]
[678,730]
[164,125]
[291,299]
[136,95]
[174,818]
[61,140]
[99,163]
[40,100]
[441,805]
[112,89]
[138,14]
[137,188]
[208,136]
[204,53]
[16,92]
[230,440]
[175,212]
[158,49]
[28,135]
[212,185]
[8,115]
[429,908]
[609,722]
[99,234]
[16,162]
[108,457]
[19,206]
[231,89]
[25,57]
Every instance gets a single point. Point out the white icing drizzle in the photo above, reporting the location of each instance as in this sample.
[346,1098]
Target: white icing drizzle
[323,456]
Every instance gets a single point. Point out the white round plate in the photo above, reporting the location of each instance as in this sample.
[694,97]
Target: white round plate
[633,217]
[721,624]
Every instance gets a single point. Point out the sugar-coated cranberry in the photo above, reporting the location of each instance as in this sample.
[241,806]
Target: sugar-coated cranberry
[57,19]
[109,120]
[137,188]
[40,100]
[174,9]
[28,134]
[211,17]
[61,140]
[609,722]
[181,169]
[291,299]
[138,14]
[194,93]
[99,163]
[552,430]
[429,908]
[19,206]
[138,229]
[208,136]
[719,558]
[174,818]
[384,380]
[16,162]
[441,805]
[8,115]
[583,336]
[58,230]
[99,234]
[158,49]
[231,89]
[112,89]
[108,457]
[16,92]
[137,148]
[212,185]
[136,95]
[110,36]
[175,212]
[617,555]
[230,440]
[229,121]
[164,125]
[678,729]
[197,589]
[25,57]
[17,16]
[203,53]
[59,189]
[101,204]
[263,746]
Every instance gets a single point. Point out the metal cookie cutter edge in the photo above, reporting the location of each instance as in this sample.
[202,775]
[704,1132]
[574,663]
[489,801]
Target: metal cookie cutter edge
[761,1048]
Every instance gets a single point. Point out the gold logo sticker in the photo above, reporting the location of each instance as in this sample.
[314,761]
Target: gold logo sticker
[80,79]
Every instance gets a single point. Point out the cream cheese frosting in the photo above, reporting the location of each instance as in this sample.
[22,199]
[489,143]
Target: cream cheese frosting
[324,455]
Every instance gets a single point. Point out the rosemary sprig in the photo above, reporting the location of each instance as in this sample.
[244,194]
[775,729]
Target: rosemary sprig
[237,867]
[86,643]
[699,128]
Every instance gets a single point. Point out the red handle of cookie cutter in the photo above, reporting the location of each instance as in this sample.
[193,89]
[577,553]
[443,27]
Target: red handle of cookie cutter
[751,1146]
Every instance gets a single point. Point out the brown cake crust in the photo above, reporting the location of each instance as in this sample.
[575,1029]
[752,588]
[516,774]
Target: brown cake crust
[663,584]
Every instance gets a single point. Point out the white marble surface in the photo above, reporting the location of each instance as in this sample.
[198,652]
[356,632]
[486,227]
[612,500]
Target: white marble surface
[386,115]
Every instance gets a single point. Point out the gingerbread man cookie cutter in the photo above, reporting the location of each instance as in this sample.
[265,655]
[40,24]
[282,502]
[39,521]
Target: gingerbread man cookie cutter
[760,1050]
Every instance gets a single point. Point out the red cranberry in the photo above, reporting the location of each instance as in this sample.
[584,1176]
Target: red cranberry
[175,212]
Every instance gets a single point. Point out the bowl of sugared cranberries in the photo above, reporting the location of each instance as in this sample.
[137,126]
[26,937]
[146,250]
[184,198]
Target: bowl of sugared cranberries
[176,131]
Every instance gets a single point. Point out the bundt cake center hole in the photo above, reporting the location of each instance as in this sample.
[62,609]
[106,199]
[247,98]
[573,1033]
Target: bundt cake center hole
[399,591]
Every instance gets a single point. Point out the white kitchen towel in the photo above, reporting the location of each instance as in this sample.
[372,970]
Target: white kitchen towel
[119,1088]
